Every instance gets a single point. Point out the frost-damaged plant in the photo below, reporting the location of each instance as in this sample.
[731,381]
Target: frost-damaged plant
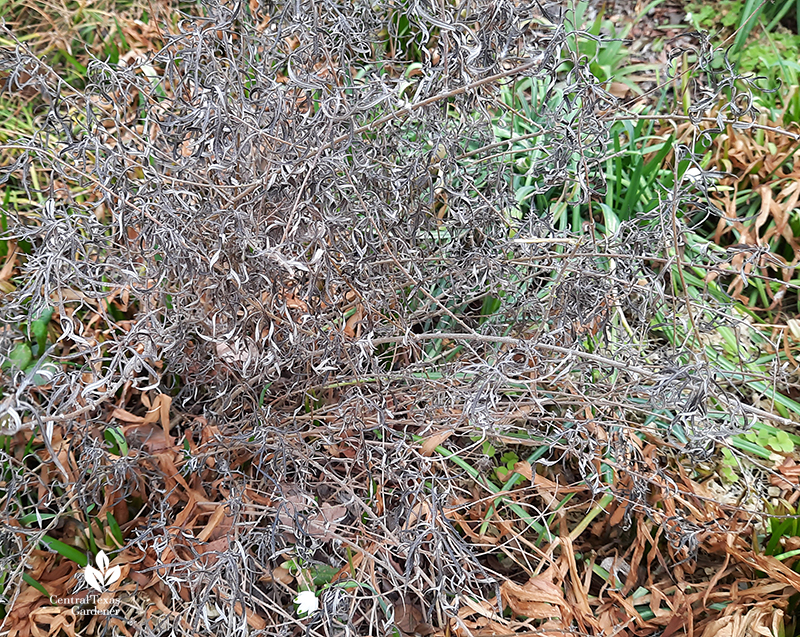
[307,208]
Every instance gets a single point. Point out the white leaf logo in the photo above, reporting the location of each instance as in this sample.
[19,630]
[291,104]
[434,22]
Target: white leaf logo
[102,577]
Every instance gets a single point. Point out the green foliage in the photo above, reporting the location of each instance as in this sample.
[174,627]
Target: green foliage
[635,173]
[29,355]
[19,357]
[728,466]
[65,550]
[603,44]
[32,582]
[772,51]
[319,574]
[710,16]
[39,329]
[114,533]
[784,524]
[760,42]
[508,460]
[116,441]
[767,437]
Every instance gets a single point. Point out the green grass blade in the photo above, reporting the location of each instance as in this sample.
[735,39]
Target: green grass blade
[32,582]
[65,550]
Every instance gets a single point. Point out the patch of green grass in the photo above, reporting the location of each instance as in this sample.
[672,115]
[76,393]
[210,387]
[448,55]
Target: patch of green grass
[604,44]
[759,40]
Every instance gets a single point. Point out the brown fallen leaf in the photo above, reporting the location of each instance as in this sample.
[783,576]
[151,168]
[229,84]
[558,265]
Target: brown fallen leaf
[59,620]
[11,261]
[481,627]
[298,504]
[769,565]
[148,436]
[348,570]
[524,469]
[618,89]
[407,615]
[484,608]
[277,574]
[421,510]
[761,619]
[538,598]
[253,620]
[164,403]
[434,440]
[159,410]
[325,524]
[126,416]
[213,522]
[352,323]
[294,302]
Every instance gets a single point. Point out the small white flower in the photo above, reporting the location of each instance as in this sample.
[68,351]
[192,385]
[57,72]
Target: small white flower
[703,178]
[693,174]
[307,602]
